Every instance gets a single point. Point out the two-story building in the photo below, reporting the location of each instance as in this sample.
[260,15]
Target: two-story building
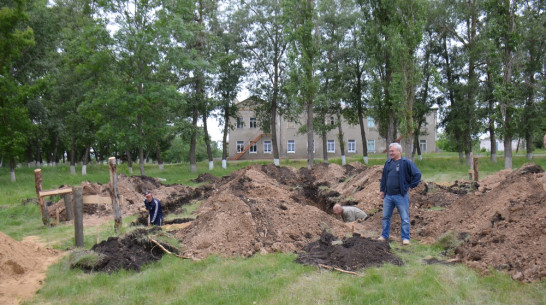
[248,141]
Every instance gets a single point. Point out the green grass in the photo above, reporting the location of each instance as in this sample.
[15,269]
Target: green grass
[270,279]
[278,279]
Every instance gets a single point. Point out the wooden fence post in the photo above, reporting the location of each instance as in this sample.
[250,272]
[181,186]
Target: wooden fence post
[114,194]
[475,163]
[78,215]
[68,206]
[43,206]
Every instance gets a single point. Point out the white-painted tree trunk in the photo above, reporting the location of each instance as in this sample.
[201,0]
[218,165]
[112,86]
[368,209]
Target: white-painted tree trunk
[72,169]
[131,170]
[224,163]
[365,160]
[211,165]
[84,170]
[343,161]
[193,168]
[276,162]
[12,174]
[161,166]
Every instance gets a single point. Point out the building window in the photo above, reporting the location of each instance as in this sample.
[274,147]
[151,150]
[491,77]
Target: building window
[371,145]
[253,149]
[291,147]
[252,123]
[332,120]
[331,146]
[240,123]
[371,122]
[351,146]
[423,145]
[240,146]
[267,147]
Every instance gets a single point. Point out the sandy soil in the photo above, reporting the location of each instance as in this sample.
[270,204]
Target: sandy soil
[22,267]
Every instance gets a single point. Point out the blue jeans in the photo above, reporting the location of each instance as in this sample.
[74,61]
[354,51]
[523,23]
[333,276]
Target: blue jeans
[402,205]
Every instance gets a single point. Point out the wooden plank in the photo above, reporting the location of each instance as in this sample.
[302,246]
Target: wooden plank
[55,192]
[96,199]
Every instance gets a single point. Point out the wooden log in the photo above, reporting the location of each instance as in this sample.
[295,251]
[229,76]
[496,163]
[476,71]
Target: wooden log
[68,206]
[55,192]
[43,206]
[475,166]
[78,215]
[114,194]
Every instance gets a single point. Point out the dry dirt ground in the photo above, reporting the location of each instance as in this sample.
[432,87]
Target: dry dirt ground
[501,220]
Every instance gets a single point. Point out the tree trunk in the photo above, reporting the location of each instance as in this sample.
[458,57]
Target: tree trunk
[158,156]
[12,169]
[193,141]
[341,140]
[360,112]
[73,156]
[324,147]
[207,140]
[114,195]
[130,161]
[84,161]
[54,156]
[310,132]
[227,115]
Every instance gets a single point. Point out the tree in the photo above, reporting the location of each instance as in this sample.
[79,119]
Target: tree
[15,38]
[265,37]
[303,55]
[230,71]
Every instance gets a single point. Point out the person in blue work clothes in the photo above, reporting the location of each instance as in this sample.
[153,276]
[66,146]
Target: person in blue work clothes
[399,175]
[154,207]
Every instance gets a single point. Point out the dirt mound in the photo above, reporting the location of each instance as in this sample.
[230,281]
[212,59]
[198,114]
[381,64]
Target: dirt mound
[256,211]
[266,208]
[351,254]
[206,177]
[132,189]
[505,224]
[22,268]
[131,251]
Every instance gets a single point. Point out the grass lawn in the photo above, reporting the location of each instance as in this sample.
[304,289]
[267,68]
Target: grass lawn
[269,279]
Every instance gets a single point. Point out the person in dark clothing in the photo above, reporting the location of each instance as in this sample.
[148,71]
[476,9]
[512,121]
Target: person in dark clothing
[154,207]
[399,175]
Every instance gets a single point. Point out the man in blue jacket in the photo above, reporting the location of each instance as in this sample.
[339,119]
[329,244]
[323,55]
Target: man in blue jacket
[399,175]
[154,207]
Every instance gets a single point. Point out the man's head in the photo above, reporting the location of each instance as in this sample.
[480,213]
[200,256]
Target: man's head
[337,209]
[395,151]
[149,196]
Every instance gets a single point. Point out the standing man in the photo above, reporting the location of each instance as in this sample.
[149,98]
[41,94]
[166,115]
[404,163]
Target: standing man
[154,207]
[399,175]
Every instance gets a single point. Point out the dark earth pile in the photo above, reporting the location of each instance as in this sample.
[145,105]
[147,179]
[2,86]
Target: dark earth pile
[131,251]
[350,254]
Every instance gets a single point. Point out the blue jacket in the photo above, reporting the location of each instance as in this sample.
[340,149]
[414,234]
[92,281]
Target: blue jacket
[154,207]
[410,176]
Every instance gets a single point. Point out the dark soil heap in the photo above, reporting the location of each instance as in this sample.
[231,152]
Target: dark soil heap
[131,251]
[352,254]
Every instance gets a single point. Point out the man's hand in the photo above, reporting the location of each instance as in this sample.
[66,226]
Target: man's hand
[382,195]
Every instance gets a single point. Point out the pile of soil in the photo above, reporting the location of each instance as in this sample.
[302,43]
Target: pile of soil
[130,252]
[132,189]
[258,209]
[22,267]
[265,208]
[350,254]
